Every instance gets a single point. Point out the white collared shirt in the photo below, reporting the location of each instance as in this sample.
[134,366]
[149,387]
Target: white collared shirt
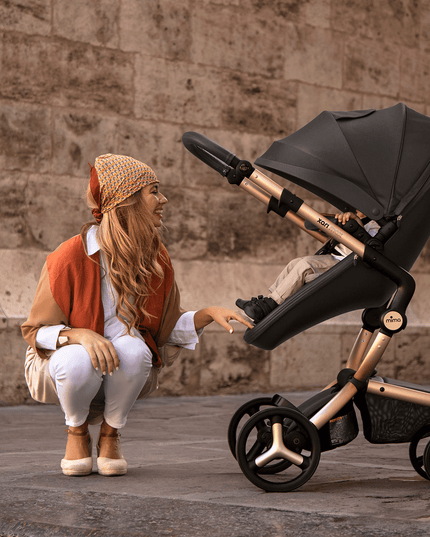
[183,334]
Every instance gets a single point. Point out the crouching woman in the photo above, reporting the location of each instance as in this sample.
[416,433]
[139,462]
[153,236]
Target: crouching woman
[106,315]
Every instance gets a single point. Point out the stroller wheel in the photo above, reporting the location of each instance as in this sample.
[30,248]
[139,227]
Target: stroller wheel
[426,458]
[419,454]
[278,449]
[240,417]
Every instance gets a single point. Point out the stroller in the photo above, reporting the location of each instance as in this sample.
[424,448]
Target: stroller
[377,162]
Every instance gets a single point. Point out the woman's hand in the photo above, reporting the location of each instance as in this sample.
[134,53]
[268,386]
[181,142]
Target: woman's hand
[100,349]
[221,316]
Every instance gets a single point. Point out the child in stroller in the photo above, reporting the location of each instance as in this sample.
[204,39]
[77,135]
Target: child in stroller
[303,270]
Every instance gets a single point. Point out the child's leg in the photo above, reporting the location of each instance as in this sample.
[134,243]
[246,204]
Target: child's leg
[298,272]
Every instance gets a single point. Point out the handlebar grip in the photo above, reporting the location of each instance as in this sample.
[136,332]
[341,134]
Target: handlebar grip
[209,152]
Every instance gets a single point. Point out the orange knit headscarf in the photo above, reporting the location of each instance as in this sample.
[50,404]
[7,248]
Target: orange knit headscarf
[114,178]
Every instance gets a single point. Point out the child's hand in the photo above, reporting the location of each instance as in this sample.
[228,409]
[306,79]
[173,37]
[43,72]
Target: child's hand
[343,218]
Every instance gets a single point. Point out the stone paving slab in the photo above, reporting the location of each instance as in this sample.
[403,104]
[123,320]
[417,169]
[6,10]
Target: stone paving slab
[183,481]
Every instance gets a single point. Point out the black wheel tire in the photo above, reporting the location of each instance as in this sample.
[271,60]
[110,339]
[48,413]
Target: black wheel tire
[300,425]
[417,461]
[248,409]
[426,459]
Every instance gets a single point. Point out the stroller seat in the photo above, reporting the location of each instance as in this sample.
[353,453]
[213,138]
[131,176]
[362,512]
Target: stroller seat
[349,285]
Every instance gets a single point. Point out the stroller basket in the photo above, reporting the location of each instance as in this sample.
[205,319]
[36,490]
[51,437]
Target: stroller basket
[340,430]
[391,421]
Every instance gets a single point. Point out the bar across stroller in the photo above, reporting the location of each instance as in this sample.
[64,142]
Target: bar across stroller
[377,162]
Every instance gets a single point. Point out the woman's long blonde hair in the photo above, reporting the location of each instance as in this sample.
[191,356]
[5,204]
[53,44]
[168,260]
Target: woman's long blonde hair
[132,246]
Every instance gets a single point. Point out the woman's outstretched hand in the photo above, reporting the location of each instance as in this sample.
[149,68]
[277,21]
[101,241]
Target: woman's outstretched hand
[221,316]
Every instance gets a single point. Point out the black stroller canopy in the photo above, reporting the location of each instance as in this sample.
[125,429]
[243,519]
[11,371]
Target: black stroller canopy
[373,161]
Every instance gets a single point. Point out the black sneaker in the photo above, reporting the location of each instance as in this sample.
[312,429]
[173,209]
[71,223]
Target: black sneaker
[258,307]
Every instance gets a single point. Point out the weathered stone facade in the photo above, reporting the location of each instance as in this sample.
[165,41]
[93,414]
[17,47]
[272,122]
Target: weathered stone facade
[82,78]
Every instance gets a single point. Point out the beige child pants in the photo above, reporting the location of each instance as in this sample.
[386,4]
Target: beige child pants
[298,272]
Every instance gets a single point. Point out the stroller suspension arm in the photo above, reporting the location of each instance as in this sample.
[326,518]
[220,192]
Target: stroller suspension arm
[355,383]
[393,319]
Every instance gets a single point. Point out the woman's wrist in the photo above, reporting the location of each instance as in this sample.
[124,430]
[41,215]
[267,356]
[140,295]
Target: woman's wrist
[73,336]
[202,318]
[63,337]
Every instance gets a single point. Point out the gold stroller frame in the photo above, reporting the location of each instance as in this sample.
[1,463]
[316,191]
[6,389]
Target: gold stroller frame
[360,367]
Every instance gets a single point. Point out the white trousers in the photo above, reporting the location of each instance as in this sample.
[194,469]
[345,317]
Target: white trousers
[298,272]
[78,383]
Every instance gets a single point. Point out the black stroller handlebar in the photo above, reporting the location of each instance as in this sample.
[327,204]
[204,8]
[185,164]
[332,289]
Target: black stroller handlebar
[209,152]
[236,170]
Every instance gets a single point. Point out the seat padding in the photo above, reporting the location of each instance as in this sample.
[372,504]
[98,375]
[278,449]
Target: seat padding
[350,285]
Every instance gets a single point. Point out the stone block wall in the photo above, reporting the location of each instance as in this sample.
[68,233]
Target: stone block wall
[83,78]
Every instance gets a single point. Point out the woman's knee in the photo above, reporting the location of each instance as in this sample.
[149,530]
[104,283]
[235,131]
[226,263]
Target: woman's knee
[134,354]
[71,360]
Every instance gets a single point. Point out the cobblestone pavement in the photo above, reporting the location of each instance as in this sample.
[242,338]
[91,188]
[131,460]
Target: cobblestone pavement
[183,481]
